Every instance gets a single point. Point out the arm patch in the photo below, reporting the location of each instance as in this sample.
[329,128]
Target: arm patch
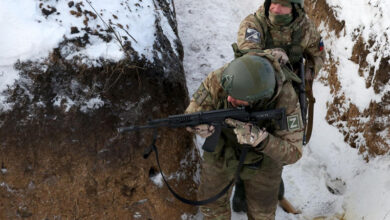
[253,35]
[200,94]
[293,122]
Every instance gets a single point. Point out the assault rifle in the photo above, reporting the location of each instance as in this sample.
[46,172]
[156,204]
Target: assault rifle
[215,118]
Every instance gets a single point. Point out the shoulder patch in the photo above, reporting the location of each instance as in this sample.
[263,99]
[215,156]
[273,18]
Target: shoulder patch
[200,95]
[293,122]
[252,35]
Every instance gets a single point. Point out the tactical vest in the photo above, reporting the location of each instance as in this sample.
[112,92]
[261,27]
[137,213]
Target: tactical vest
[287,37]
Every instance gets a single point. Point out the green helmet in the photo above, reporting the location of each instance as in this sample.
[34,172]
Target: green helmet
[249,78]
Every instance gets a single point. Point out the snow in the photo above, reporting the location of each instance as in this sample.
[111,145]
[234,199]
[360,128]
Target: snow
[157,180]
[7,187]
[367,19]
[7,77]
[328,161]
[168,31]
[361,190]
[352,85]
[22,36]
[27,34]
[207,29]
[137,215]
[93,103]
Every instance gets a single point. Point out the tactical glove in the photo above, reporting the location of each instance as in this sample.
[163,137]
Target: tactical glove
[203,130]
[280,55]
[247,133]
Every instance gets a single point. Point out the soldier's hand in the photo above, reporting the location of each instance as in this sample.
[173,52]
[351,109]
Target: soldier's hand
[247,133]
[280,55]
[203,130]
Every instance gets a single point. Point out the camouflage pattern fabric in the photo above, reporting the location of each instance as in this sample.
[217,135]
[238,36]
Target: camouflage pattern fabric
[262,169]
[247,133]
[203,130]
[255,29]
[262,190]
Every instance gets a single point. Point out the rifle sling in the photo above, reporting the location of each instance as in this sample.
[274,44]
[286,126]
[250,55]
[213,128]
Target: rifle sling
[312,100]
[213,198]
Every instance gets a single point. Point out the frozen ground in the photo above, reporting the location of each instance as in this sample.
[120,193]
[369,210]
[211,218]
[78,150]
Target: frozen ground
[29,34]
[331,180]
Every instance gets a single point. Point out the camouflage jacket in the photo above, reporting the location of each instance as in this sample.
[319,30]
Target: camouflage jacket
[256,32]
[283,146]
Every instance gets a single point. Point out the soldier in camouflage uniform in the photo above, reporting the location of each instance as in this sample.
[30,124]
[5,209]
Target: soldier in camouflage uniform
[282,25]
[259,82]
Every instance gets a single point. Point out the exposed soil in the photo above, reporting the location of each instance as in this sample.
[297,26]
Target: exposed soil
[359,55]
[382,75]
[75,165]
[319,11]
[62,161]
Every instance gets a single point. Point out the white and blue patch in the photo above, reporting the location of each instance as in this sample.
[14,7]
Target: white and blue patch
[253,35]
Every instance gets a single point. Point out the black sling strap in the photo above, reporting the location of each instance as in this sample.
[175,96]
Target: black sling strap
[153,147]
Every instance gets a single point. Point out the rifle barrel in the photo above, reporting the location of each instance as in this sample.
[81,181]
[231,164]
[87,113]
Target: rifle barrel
[151,124]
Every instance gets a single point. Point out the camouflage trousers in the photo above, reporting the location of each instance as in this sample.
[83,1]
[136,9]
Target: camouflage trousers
[261,191]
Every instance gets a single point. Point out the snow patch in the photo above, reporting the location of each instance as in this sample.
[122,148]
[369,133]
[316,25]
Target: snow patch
[157,180]
[168,31]
[134,22]
[18,18]
[8,75]
[137,215]
[7,187]
[352,85]
[60,101]
[92,104]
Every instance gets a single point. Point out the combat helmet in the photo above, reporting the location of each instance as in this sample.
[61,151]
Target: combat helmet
[249,78]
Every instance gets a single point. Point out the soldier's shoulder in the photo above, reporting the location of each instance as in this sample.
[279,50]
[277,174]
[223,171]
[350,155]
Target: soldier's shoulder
[261,10]
[307,24]
[214,77]
[248,20]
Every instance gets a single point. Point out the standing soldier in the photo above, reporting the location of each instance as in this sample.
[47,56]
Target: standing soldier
[283,27]
[283,24]
[257,82]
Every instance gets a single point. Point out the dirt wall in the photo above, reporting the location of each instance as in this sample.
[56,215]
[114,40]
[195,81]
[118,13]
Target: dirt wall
[367,129]
[63,161]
